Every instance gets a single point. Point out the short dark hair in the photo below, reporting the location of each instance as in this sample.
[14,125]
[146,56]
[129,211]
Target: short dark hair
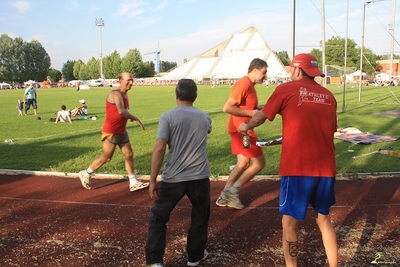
[63,107]
[186,90]
[305,75]
[257,63]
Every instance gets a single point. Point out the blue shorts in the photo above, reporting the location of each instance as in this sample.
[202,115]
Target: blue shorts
[297,192]
[29,103]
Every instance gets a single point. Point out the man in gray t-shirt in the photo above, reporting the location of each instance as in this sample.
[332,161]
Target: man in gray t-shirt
[184,131]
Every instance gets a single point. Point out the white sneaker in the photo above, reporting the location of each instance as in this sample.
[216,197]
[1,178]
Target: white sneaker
[227,199]
[189,263]
[85,180]
[137,186]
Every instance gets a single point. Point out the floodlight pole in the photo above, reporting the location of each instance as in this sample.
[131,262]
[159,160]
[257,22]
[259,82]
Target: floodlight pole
[362,46]
[100,23]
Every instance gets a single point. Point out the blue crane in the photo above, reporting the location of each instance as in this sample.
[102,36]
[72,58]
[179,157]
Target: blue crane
[157,65]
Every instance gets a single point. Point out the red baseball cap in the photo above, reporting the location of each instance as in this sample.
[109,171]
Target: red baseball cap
[308,63]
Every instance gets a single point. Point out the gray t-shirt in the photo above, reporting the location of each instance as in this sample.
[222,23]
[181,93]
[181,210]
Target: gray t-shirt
[185,130]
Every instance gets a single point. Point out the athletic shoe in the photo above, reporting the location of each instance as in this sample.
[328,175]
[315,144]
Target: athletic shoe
[85,180]
[221,200]
[189,263]
[155,265]
[228,199]
[137,186]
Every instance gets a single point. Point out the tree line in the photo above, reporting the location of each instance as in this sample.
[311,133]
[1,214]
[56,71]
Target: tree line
[21,61]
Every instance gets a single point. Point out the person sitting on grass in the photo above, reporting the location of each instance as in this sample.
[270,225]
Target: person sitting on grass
[81,110]
[63,115]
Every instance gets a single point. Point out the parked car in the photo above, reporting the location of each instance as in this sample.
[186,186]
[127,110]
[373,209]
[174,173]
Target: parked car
[5,86]
[98,83]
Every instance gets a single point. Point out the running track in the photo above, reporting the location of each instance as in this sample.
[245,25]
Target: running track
[53,221]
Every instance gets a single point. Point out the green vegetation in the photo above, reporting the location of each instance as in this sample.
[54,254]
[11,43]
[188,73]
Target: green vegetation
[44,146]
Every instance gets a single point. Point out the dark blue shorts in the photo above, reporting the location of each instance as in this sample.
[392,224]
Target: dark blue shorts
[297,192]
[30,102]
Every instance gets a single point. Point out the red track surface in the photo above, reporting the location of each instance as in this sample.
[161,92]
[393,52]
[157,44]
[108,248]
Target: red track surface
[53,221]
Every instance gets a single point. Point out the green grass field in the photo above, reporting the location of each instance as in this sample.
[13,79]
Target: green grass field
[41,145]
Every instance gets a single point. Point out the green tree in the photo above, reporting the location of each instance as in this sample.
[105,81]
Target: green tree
[20,61]
[8,58]
[147,70]
[93,69]
[369,61]
[68,70]
[112,65]
[166,66]
[335,51]
[84,72]
[283,57]
[36,61]
[132,62]
[77,69]
[55,75]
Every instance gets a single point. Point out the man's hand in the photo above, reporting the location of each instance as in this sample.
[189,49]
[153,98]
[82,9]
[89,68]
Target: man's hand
[139,123]
[153,190]
[243,127]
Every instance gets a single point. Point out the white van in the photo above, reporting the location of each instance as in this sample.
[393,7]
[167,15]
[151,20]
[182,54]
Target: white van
[98,83]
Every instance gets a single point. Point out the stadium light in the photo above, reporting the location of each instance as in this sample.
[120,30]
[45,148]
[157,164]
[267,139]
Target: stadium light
[100,23]
[362,45]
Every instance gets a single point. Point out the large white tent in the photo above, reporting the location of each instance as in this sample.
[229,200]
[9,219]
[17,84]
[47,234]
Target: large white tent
[230,59]
[355,75]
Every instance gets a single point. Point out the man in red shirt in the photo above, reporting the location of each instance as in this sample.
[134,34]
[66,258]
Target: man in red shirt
[241,106]
[115,134]
[307,166]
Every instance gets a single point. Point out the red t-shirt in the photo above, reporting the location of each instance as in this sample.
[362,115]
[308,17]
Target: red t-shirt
[246,98]
[309,122]
[114,122]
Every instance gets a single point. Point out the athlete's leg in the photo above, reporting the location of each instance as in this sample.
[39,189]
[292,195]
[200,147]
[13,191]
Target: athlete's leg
[257,165]
[328,238]
[290,243]
[127,151]
[106,155]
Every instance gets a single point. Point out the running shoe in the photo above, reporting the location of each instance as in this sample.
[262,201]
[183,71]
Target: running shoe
[189,263]
[85,180]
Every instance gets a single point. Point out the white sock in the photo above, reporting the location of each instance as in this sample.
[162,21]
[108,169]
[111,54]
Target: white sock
[89,171]
[132,179]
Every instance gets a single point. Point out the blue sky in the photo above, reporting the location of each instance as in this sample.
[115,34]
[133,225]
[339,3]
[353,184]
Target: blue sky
[187,28]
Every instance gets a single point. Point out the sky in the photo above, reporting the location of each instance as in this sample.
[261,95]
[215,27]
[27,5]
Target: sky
[184,29]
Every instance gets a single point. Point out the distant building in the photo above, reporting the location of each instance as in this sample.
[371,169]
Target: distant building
[384,66]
